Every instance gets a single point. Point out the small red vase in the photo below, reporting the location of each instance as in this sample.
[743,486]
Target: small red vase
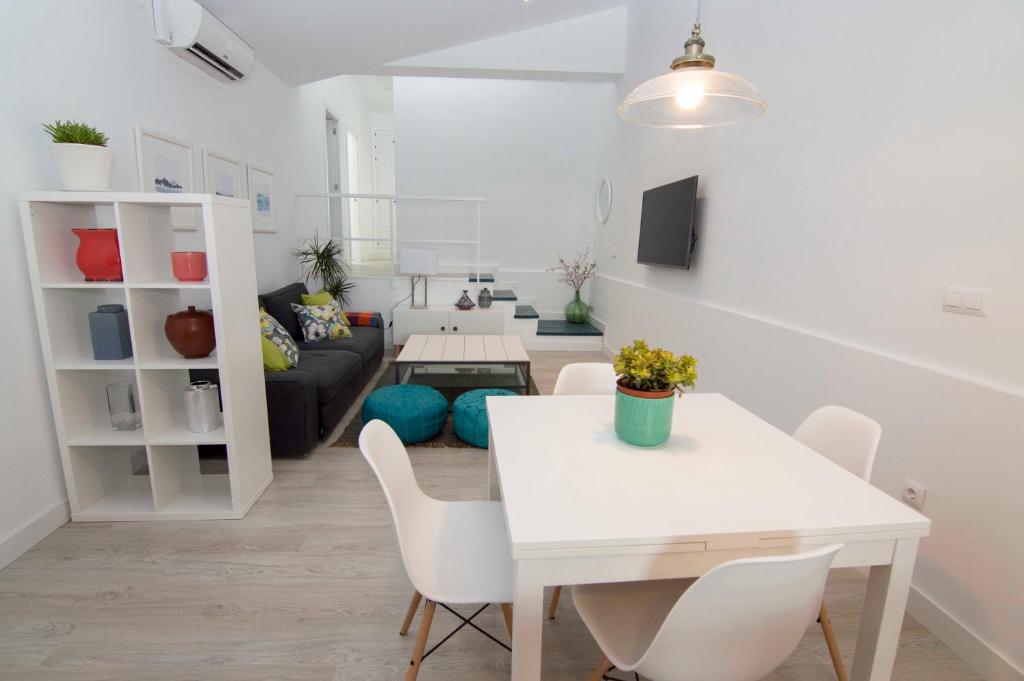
[98,256]
[190,332]
[189,265]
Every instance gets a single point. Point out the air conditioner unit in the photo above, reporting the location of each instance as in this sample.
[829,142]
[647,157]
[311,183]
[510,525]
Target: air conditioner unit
[195,35]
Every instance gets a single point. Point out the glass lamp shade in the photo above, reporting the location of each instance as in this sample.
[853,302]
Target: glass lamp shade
[692,97]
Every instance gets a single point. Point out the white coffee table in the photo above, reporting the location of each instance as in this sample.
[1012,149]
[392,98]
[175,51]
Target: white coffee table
[459,361]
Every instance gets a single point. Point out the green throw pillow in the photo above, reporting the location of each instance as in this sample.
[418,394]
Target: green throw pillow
[322,298]
[273,358]
[272,330]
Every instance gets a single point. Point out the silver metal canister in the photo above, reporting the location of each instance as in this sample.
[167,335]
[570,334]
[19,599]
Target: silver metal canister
[202,406]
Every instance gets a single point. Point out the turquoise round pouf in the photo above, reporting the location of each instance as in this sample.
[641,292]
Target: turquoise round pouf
[470,415]
[415,412]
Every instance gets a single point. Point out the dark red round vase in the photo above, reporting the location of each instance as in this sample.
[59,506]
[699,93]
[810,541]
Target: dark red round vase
[190,332]
[98,256]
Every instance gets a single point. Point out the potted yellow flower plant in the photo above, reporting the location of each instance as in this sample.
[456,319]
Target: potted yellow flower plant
[648,381]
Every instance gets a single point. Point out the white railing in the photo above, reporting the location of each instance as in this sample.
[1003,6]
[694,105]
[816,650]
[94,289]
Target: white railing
[395,239]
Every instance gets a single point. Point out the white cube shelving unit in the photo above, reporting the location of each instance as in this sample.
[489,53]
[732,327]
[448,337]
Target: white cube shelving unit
[153,472]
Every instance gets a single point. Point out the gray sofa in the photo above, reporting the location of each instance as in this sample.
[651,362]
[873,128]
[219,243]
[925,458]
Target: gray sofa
[305,403]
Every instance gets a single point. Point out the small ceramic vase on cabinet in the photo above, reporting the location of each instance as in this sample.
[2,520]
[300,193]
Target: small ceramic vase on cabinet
[108,330]
[465,302]
[189,265]
[190,332]
[98,256]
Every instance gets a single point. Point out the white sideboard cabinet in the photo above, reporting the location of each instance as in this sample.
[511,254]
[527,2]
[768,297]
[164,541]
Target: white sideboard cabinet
[446,320]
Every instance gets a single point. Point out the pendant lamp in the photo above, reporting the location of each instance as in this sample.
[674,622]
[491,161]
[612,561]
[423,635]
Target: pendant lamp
[693,94]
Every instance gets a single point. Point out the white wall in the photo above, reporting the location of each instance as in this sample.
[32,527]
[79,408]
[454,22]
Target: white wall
[590,47]
[344,98]
[96,61]
[882,172]
[528,147]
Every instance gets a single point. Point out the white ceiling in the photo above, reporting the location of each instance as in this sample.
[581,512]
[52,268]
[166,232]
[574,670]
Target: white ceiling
[315,39]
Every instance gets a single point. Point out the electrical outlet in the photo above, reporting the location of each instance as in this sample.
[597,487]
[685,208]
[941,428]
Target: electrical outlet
[914,493]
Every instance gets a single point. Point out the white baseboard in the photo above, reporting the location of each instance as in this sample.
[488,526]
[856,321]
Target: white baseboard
[32,532]
[988,662]
[563,343]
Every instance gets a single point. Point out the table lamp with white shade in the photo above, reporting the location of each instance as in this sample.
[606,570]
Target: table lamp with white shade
[418,263]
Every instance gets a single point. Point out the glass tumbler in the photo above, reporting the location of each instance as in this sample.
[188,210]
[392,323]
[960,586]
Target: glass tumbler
[123,404]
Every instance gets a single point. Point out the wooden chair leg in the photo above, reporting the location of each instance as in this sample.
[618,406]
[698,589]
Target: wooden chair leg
[830,641]
[407,622]
[556,593]
[506,610]
[421,642]
[603,667]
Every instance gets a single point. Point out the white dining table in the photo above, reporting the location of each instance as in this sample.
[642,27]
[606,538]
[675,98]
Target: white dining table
[583,507]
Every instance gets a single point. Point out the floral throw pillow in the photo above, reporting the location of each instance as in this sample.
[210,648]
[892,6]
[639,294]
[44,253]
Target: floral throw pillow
[276,334]
[323,298]
[319,322]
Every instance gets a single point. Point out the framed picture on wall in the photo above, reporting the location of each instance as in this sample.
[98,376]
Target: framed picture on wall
[165,166]
[262,199]
[223,175]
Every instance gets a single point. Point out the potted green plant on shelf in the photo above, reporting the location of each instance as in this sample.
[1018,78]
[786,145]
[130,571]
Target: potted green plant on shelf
[648,381]
[82,156]
[321,260]
[576,274]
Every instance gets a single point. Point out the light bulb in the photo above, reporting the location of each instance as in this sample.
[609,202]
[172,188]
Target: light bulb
[689,96]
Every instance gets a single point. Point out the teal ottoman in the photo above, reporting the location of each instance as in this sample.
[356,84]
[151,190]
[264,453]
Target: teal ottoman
[470,415]
[415,412]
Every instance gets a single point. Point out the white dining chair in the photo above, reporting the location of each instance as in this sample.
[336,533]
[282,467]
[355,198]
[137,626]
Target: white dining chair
[844,436]
[849,439]
[454,552]
[738,622]
[586,378]
[581,378]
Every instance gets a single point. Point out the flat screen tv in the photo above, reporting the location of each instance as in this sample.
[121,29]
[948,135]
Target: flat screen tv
[666,224]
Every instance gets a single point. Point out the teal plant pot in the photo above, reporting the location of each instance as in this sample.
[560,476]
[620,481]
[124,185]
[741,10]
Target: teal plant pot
[577,312]
[642,418]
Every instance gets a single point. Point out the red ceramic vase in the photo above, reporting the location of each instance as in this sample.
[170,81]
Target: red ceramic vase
[190,332]
[189,265]
[98,256]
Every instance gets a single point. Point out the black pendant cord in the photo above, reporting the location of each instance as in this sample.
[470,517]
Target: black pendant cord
[465,621]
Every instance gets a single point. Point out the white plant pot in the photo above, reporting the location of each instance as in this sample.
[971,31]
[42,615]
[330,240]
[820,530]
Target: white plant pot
[83,167]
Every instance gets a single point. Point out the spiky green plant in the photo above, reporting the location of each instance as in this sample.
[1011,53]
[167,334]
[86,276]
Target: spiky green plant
[654,369]
[321,260]
[71,132]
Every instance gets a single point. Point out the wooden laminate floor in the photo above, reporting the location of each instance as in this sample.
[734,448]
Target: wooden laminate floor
[308,587]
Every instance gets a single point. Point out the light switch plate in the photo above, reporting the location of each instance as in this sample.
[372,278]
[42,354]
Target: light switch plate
[964,300]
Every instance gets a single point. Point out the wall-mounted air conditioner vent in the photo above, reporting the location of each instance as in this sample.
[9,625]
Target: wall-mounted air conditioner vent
[195,35]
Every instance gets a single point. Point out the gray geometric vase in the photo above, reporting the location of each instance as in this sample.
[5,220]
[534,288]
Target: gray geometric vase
[108,328]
